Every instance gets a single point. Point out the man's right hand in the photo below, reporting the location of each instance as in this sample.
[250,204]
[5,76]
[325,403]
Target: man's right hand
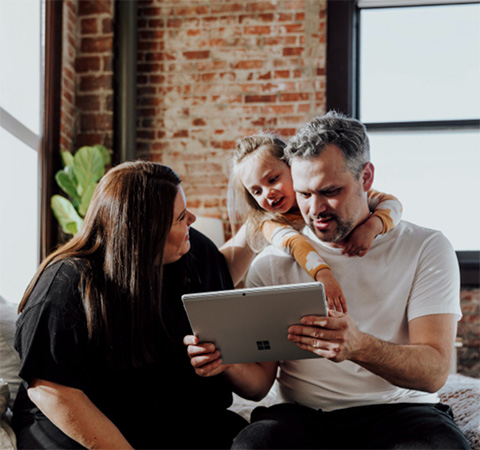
[205,358]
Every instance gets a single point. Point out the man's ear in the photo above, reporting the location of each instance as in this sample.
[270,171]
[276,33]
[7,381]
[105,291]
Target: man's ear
[367,176]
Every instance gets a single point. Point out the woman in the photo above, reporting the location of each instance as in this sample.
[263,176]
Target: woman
[101,327]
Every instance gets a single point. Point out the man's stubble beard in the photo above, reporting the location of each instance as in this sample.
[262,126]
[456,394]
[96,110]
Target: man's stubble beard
[343,229]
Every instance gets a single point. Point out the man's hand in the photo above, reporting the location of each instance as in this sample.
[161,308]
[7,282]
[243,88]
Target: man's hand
[335,337]
[422,364]
[205,358]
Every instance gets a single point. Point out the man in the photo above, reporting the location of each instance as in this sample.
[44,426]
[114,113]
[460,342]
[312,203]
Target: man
[383,362]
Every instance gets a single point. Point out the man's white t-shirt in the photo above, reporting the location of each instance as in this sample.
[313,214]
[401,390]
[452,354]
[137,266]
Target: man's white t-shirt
[408,273]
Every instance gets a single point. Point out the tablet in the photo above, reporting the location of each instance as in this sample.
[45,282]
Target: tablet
[251,325]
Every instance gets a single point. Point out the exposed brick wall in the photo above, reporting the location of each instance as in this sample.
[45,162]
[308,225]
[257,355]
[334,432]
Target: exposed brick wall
[67,119]
[87,76]
[210,72]
[469,331]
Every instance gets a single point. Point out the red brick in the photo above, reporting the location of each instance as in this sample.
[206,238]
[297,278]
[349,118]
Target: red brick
[261,6]
[293,28]
[96,44]
[281,74]
[89,139]
[89,26]
[295,4]
[150,11]
[257,30]
[264,122]
[107,62]
[280,40]
[151,34]
[202,54]
[88,102]
[249,64]
[292,51]
[294,97]
[145,46]
[260,98]
[149,68]
[156,23]
[269,110]
[192,10]
[87,7]
[146,134]
[211,65]
[174,23]
[304,108]
[199,122]
[223,8]
[87,63]
[265,76]
[92,83]
[89,122]
[107,25]
[266,17]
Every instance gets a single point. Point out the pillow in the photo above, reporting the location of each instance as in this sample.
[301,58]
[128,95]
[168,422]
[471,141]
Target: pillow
[463,395]
[10,361]
[7,436]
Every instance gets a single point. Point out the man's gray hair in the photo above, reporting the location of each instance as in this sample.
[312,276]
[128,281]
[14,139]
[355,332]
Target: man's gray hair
[348,134]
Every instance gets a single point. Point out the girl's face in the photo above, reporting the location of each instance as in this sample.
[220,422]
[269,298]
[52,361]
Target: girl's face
[268,180]
[178,240]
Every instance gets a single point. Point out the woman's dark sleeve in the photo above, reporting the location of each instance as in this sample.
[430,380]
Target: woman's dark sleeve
[51,334]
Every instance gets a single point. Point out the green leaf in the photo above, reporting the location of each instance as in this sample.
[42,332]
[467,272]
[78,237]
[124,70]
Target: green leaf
[72,228]
[88,167]
[67,184]
[107,158]
[66,214]
[86,197]
[67,158]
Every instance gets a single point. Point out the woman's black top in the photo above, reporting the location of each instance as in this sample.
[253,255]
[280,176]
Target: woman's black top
[142,402]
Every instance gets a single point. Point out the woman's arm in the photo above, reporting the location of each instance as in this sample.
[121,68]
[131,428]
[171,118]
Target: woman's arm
[73,412]
[238,255]
[250,381]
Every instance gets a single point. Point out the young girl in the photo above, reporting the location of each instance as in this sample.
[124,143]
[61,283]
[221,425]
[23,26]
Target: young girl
[261,195]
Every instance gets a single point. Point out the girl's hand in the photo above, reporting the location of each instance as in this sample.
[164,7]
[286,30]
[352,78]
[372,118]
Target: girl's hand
[333,291]
[361,238]
[205,358]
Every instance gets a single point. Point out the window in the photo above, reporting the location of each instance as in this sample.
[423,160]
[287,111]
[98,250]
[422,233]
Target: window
[20,123]
[410,71]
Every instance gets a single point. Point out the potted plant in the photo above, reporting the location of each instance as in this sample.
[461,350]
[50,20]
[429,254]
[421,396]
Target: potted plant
[78,180]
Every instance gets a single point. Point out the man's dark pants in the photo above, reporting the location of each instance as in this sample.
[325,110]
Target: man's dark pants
[389,426]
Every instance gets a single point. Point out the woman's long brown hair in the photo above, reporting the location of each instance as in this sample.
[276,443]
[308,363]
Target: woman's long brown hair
[121,246]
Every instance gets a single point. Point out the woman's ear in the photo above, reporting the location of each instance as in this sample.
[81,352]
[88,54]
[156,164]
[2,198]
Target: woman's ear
[367,176]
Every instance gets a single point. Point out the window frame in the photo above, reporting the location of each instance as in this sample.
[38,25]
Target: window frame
[343,28]
[49,155]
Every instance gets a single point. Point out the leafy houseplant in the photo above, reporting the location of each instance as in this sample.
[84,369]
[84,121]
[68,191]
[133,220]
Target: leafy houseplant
[78,180]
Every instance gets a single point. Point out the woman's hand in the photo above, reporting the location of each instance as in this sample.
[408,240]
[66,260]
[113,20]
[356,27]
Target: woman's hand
[205,358]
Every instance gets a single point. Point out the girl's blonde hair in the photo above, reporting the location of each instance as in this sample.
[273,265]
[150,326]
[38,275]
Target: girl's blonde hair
[242,207]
